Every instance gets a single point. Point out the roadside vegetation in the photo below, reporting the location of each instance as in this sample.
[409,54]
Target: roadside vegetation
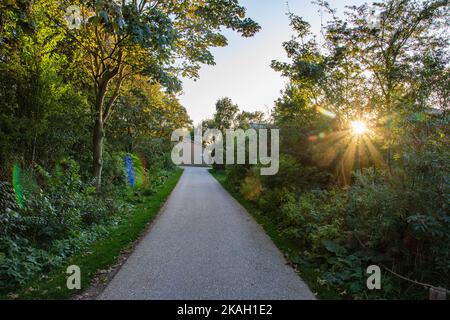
[88,101]
[95,248]
[364,163]
[88,104]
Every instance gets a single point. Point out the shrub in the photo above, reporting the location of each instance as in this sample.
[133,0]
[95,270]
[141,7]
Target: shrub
[295,176]
[314,217]
[272,200]
[60,216]
[235,175]
[114,169]
[383,217]
[157,153]
[374,213]
[389,215]
[251,187]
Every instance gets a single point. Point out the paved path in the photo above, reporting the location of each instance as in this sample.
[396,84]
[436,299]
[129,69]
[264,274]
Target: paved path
[204,245]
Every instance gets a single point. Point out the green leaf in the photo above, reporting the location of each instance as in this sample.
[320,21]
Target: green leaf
[334,248]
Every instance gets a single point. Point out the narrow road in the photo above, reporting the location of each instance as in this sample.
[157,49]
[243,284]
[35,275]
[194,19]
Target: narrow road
[204,245]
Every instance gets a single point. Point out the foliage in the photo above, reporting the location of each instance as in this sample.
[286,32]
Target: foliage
[349,201]
[61,216]
[251,186]
[144,111]
[144,39]
[94,249]
[75,101]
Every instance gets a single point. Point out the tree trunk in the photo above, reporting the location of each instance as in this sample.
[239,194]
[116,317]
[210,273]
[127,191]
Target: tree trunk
[98,136]
[102,113]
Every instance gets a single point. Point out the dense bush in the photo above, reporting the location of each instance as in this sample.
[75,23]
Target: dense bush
[349,199]
[61,214]
[376,220]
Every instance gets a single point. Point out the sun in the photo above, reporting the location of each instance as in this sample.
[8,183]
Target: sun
[358,128]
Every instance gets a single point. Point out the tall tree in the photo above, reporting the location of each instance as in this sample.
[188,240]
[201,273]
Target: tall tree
[161,39]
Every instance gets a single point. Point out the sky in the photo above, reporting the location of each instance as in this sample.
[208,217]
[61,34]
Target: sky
[242,71]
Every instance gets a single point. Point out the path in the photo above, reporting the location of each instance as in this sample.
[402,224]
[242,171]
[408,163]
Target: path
[204,245]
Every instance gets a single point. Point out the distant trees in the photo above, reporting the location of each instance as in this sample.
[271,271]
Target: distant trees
[225,115]
[246,119]
[229,116]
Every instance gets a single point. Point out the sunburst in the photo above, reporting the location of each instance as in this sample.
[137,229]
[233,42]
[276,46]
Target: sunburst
[348,149]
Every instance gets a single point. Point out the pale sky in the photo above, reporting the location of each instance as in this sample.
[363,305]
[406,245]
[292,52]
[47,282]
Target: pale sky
[242,71]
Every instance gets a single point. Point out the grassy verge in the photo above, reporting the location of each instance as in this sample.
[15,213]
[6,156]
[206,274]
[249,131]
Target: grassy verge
[102,253]
[288,247]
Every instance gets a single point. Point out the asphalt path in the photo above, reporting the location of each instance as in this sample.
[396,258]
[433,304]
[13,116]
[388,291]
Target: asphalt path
[205,245]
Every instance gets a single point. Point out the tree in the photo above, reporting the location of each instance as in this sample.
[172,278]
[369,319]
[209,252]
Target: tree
[143,112]
[225,116]
[245,119]
[161,39]
[43,109]
[365,73]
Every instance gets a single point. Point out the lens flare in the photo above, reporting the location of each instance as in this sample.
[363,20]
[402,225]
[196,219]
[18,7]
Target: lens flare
[129,169]
[347,150]
[320,136]
[144,166]
[325,112]
[136,171]
[358,128]
[17,185]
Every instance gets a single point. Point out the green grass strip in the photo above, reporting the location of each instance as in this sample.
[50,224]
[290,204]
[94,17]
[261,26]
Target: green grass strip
[104,252]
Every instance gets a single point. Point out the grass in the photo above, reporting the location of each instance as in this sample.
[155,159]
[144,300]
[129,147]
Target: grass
[102,253]
[287,246]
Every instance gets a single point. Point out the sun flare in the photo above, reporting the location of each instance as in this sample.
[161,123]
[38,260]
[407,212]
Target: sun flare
[358,128]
